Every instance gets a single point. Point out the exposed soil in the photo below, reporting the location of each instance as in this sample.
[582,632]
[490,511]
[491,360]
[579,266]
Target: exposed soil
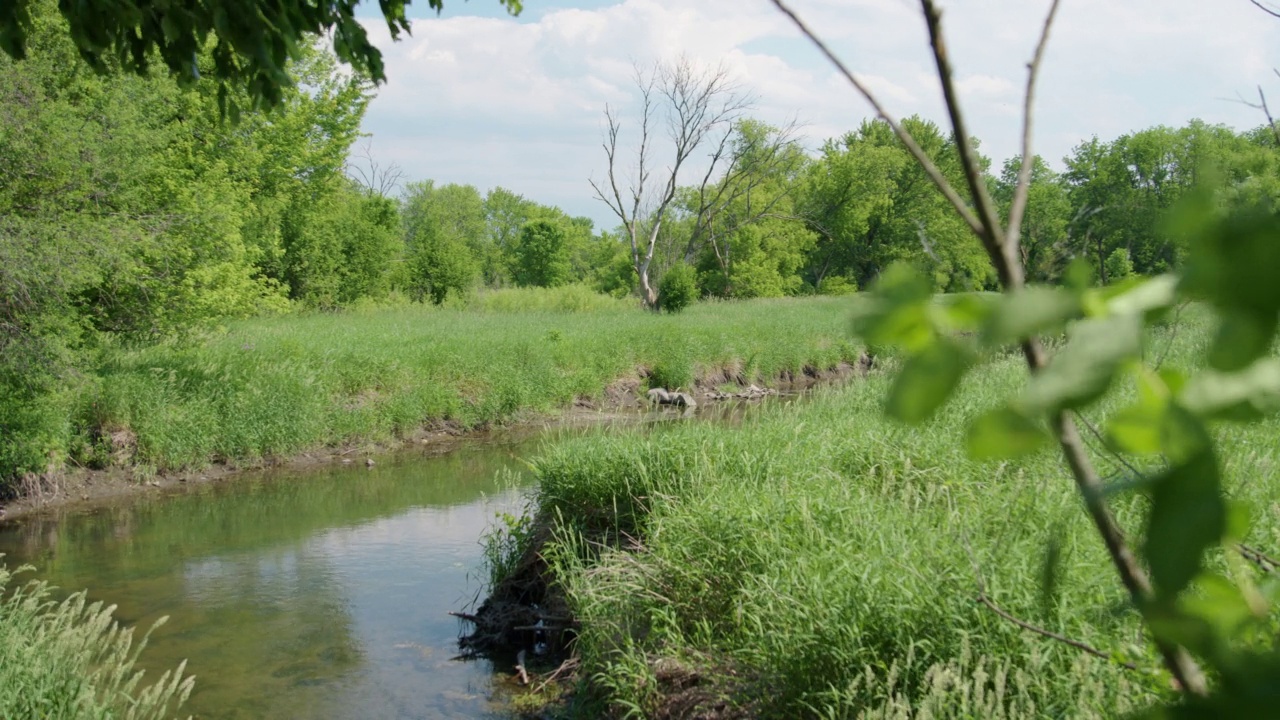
[87,487]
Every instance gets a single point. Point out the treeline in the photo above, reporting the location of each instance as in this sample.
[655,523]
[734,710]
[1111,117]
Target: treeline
[837,219]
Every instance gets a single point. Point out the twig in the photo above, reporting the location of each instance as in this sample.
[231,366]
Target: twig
[1022,189]
[465,616]
[1259,558]
[985,224]
[1177,315]
[989,232]
[921,157]
[986,600]
[565,668]
[1262,98]
[1085,647]
[1265,9]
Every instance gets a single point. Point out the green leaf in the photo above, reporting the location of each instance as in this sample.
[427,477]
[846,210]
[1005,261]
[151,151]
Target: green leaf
[1083,370]
[1029,312]
[897,312]
[1138,429]
[1240,395]
[926,381]
[1242,338]
[1004,433]
[1144,296]
[1188,516]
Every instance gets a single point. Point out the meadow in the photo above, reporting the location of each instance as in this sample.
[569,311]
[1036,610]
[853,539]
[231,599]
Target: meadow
[276,386]
[822,561]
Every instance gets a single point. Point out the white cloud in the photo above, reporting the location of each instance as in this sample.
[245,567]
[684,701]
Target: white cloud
[519,103]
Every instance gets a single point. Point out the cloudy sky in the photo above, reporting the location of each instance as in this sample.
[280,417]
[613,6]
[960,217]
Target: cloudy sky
[475,96]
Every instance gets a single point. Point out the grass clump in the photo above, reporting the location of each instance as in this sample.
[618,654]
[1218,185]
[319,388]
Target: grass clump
[827,561]
[71,660]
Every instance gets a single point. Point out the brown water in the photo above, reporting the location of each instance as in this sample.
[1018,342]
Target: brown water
[316,594]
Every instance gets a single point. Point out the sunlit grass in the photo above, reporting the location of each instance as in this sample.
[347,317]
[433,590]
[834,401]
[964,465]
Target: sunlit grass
[70,660]
[280,385]
[830,559]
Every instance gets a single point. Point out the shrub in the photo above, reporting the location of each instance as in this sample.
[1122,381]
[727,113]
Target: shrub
[1119,265]
[678,288]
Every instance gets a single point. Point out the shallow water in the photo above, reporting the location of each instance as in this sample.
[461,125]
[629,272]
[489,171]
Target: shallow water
[305,594]
[321,594]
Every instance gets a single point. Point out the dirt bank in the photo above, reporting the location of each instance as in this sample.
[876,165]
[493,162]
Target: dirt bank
[620,400]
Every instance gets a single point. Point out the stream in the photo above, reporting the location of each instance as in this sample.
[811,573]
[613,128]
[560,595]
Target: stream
[318,593]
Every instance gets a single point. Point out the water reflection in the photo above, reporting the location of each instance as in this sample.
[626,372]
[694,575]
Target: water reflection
[302,595]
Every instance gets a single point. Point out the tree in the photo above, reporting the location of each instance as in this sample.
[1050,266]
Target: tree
[699,108]
[441,226]
[249,43]
[542,256]
[1046,243]
[872,204]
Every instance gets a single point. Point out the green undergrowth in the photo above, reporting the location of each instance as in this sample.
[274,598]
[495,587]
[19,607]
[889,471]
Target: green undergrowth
[821,561]
[282,385]
[70,660]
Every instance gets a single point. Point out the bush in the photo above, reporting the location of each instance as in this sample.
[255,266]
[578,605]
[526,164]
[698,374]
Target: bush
[837,285]
[678,288]
[1119,265]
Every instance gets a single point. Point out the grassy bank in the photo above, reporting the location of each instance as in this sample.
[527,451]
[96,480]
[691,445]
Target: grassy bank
[70,661]
[277,386]
[824,562]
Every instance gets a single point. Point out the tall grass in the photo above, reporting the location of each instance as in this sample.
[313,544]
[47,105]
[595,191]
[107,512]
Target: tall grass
[824,562]
[70,660]
[280,385]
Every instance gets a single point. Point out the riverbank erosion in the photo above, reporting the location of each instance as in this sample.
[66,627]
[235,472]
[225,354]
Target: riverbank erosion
[333,387]
[820,561]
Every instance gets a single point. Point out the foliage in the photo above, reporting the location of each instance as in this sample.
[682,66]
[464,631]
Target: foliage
[677,289]
[70,660]
[542,255]
[1118,266]
[251,45]
[1230,256]
[441,226]
[871,204]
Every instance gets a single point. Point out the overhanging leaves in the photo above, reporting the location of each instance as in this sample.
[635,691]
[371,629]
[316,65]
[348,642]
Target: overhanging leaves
[1085,367]
[926,381]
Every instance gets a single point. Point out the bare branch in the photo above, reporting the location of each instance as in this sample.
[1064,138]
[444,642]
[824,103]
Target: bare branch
[1022,188]
[1262,99]
[1082,646]
[988,231]
[921,157]
[1270,11]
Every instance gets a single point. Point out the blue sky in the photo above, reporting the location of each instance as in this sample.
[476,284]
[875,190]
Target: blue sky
[475,96]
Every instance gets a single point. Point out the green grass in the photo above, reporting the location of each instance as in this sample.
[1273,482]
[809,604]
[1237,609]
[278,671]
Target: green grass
[276,386]
[823,561]
[69,660]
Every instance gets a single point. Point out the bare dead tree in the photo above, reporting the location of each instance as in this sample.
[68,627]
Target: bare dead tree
[373,176]
[1001,244]
[699,107]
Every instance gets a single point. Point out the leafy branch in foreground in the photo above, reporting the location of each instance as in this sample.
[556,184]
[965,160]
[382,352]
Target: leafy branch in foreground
[1194,614]
[251,42]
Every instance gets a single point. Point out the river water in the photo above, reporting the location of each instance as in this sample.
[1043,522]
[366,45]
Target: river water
[303,594]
